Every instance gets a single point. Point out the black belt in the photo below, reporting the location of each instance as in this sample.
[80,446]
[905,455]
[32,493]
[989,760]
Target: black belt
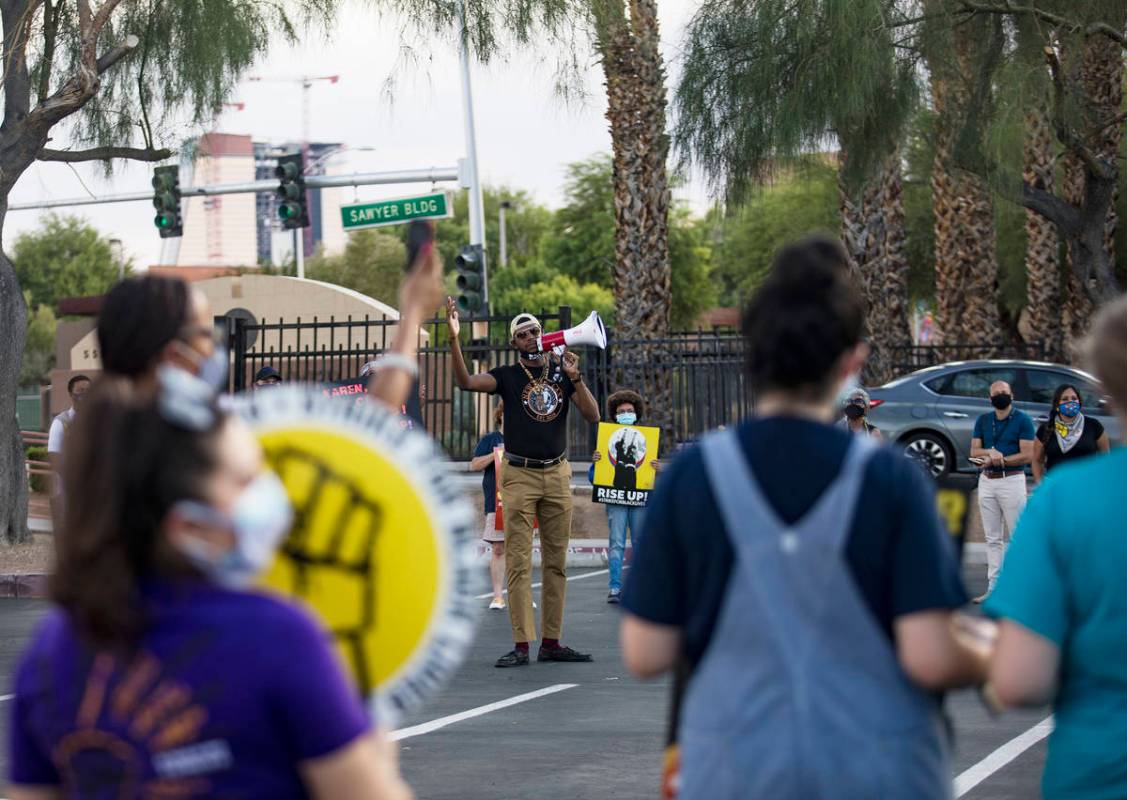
[533,463]
[995,474]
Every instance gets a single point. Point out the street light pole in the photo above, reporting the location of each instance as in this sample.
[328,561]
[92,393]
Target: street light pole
[503,250]
[473,182]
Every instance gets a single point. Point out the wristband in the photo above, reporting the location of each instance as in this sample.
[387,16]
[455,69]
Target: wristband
[396,361]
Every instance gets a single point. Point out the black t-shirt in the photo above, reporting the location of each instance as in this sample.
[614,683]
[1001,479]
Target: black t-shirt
[898,552]
[488,443]
[536,419]
[1088,444]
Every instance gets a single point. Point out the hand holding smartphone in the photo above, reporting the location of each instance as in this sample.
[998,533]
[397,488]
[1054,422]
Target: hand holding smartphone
[419,233]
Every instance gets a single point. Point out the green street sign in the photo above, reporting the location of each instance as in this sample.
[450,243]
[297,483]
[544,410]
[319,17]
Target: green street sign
[437,205]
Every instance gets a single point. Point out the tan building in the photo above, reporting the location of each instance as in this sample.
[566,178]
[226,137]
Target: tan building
[221,230]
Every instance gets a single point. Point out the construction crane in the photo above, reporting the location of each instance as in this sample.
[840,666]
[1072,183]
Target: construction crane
[306,82]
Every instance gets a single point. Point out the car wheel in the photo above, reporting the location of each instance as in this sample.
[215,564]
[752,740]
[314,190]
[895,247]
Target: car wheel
[931,451]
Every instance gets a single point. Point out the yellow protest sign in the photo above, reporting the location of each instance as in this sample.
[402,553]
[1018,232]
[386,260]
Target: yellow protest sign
[382,542]
[625,474]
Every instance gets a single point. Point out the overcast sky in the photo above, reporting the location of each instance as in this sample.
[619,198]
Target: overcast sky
[526,134]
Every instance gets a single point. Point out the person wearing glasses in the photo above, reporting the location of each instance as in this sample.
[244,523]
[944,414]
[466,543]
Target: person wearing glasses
[537,393]
[153,320]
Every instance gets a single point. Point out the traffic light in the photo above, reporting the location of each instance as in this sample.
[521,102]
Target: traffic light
[470,264]
[293,207]
[166,200]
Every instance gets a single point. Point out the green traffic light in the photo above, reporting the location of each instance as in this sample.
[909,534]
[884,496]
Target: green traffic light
[288,210]
[163,221]
[469,301]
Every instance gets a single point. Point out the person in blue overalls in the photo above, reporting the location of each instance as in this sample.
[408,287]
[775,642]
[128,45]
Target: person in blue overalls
[802,574]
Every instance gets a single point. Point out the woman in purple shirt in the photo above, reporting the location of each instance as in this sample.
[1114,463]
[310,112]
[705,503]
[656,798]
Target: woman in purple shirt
[160,673]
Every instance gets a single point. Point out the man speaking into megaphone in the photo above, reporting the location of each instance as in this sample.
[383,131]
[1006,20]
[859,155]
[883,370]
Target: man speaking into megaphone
[535,478]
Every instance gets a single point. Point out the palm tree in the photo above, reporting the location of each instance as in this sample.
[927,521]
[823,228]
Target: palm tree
[961,60]
[872,230]
[629,45]
[762,88]
[1101,79]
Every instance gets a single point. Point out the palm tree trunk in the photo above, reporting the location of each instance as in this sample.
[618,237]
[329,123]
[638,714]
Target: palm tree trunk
[636,100]
[1042,252]
[1102,80]
[966,268]
[874,237]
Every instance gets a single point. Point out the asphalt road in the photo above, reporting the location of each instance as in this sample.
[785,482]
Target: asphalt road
[593,733]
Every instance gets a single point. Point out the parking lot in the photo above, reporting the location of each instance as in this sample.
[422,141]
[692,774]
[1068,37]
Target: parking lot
[589,731]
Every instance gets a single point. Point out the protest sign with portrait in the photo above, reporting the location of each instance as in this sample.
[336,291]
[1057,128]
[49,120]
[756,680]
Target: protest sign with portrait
[625,474]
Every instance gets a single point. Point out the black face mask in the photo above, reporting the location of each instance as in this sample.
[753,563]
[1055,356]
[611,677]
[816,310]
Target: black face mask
[1001,401]
[854,411]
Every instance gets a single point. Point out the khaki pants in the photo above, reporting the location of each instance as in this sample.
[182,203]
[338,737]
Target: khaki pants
[544,495]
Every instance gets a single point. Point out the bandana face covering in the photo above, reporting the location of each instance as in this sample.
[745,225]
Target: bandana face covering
[1069,434]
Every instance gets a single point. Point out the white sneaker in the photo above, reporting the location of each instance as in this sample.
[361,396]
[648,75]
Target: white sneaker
[498,604]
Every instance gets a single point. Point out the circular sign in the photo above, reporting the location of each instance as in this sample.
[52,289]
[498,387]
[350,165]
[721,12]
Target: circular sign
[382,542]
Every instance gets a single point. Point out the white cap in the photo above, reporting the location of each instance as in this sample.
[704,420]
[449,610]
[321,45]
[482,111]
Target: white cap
[522,321]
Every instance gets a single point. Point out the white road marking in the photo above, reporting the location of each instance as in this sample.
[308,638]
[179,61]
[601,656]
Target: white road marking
[537,584]
[1002,756]
[442,722]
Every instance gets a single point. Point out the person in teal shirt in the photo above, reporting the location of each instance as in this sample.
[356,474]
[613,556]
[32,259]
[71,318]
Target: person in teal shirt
[1062,601]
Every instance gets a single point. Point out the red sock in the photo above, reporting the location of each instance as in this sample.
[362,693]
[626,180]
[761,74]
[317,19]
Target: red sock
[521,647]
[551,644]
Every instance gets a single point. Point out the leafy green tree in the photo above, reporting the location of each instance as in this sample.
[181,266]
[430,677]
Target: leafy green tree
[581,243]
[539,289]
[39,354]
[372,264]
[526,224]
[746,239]
[124,77]
[64,257]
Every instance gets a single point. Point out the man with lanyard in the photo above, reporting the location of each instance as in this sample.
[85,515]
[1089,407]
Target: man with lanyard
[1001,447]
[537,393]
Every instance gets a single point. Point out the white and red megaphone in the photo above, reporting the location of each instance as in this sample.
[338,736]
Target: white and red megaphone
[590,332]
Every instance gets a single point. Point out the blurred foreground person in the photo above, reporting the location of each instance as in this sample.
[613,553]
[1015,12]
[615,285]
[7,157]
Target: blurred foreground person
[160,672]
[152,321]
[802,573]
[1062,598]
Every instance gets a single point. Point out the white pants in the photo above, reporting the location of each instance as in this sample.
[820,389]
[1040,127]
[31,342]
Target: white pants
[1001,501]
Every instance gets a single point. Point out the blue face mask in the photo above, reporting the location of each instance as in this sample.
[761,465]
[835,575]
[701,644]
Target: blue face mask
[626,418]
[1069,409]
[260,520]
[212,369]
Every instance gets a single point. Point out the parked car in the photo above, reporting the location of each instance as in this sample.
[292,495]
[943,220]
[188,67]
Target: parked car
[932,412]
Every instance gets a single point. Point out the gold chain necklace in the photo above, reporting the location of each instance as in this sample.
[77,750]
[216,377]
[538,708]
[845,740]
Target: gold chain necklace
[543,376]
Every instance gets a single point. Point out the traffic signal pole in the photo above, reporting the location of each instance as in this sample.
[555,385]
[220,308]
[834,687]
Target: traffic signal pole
[313,182]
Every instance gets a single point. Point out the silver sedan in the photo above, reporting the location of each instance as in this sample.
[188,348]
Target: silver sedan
[932,412]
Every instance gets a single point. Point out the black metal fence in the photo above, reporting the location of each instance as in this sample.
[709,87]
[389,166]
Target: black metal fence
[910,359]
[704,369]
